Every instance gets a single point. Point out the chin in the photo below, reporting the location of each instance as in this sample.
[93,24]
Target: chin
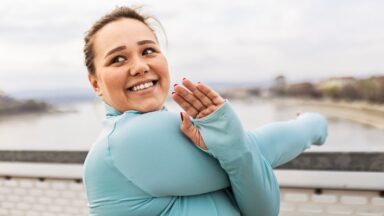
[150,107]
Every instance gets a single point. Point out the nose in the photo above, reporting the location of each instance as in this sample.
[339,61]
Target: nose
[139,67]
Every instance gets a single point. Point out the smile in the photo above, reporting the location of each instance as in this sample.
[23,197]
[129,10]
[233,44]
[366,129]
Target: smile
[143,86]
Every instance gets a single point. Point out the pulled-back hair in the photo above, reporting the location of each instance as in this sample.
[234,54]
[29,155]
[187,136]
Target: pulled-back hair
[116,14]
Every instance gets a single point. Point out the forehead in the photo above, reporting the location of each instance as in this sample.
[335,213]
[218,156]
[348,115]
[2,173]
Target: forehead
[124,31]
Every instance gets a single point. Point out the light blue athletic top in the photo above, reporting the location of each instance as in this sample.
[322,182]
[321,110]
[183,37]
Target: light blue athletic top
[142,164]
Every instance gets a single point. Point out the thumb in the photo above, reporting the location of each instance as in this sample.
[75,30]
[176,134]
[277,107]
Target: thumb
[191,131]
[186,126]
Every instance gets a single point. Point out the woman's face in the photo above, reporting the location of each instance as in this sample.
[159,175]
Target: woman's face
[131,71]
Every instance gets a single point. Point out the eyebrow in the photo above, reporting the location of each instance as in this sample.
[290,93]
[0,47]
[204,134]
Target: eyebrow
[145,42]
[119,48]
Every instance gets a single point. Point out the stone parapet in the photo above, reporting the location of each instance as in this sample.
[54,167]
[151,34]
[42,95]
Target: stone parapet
[316,183]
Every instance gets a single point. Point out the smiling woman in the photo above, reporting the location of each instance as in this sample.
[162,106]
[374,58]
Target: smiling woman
[148,161]
[131,73]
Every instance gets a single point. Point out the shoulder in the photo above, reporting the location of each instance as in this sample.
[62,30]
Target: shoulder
[147,127]
[146,122]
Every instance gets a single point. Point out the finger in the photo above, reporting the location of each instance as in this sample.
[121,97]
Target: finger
[206,112]
[185,105]
[189,84]
[211,94]
[191,131]
[188,96]
[198,94]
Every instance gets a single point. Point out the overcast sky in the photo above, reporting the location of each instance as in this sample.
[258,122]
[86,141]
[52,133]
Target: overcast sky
[208,40]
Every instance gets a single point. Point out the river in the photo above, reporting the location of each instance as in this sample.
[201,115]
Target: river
[78,127]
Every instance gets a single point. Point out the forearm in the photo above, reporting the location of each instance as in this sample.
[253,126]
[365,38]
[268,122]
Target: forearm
[253,183]
[281,142]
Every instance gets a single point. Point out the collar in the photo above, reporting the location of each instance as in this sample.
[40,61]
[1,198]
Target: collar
[112,112]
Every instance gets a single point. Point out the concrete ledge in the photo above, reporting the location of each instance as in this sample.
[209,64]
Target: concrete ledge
[337,161]
[330,179]
[286,178]
[41,170]
[325,161]
[338,170]
[61,157]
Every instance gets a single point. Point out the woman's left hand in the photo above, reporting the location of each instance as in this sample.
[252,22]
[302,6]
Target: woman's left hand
[198,101]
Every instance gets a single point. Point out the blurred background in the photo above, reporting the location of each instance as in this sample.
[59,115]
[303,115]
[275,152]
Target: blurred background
[273,59]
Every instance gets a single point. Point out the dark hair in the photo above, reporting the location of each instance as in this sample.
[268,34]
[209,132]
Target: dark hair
[116,14]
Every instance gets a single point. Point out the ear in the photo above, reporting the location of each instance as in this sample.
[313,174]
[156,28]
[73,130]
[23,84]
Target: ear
[95,84]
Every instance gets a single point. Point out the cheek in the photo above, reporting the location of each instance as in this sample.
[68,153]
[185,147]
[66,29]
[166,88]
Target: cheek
[112,81]
[166,79]
[163,70]
[165,75]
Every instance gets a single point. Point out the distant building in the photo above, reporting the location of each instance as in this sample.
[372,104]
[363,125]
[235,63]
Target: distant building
[304,89]
[339,87]
[239,93]
[336,82]
[279,86]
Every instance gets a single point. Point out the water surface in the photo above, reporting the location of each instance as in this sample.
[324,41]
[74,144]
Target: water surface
[77,130]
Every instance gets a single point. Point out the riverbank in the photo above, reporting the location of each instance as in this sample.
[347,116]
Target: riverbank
[360,112]
[11,106]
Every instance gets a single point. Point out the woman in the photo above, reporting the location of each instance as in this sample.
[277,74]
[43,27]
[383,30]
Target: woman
[145,163]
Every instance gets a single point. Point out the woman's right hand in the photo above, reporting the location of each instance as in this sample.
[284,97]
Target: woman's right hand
[198,101]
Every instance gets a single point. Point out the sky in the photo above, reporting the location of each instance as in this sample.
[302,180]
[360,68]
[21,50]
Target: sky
[41,41]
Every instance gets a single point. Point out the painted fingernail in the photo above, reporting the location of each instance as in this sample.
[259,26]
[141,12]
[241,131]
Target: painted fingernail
[181,115]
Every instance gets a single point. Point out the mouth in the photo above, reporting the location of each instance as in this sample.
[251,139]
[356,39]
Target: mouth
[143,86]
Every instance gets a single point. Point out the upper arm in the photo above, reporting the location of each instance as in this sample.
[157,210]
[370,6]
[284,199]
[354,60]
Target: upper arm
[150,151]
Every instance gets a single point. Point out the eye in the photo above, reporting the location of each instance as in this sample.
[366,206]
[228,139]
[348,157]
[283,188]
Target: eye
[118,59]
[148,51]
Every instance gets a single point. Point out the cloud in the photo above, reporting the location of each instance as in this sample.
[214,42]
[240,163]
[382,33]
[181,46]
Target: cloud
[222,40]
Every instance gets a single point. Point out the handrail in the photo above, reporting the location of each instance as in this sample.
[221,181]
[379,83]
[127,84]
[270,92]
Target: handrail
[60,157]
[326,161]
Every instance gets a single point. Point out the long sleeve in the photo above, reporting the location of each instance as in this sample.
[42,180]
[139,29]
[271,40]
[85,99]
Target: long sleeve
[158,165]
[150,151]
[281,142]
[252,179]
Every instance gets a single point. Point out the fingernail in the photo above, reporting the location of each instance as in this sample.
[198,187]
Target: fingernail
[181,115]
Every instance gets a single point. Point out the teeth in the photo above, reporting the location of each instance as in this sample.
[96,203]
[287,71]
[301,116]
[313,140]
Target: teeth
[142,86]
